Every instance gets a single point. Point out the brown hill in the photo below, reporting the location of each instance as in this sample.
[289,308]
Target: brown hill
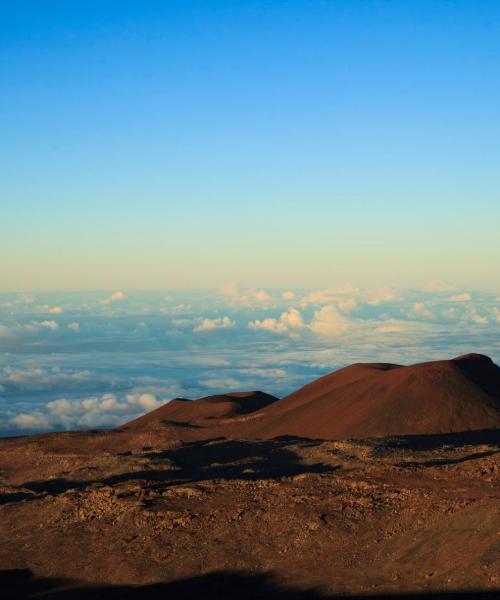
[222,406]
[371,400]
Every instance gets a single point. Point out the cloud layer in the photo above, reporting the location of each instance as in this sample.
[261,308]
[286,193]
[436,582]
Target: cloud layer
[96,360]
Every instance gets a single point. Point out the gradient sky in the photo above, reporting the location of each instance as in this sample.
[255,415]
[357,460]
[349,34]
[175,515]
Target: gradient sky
[299,143]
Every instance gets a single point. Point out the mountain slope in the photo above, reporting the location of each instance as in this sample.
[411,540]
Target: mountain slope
[367,400]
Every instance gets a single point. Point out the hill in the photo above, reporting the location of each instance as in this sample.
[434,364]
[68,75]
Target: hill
[372,400]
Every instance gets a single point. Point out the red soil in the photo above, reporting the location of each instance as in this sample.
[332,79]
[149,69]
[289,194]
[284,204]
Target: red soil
[371,400]
[221,406]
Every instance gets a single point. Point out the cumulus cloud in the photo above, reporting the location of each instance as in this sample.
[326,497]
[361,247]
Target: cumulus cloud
[347,297]
[35,420]
[465,297]
[94,411]
[237,295]
[327,321]
[116,297]
[74,326]
[207,324]
[420,310]
[288,321]
[288,295]
[474,317]
[328,295]
[379,295]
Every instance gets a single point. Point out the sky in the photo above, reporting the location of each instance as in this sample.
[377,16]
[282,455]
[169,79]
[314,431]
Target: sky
[200,196]
[78,360]
[186,144]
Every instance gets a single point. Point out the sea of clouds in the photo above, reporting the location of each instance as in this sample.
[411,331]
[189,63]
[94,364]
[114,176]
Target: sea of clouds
[86,360]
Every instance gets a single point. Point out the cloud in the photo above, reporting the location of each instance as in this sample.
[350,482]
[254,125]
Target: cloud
[237,295]
[474,317]
[36,420]
[495,311]
[390,329]
[265,373]
[94,411]
[379,295]
[347,297]
[53,310]
[437,286]
[329,295]
[211,324]
[5,331]
[223,384]
[420,310]
[74,326]
[45,324]
[288,321]
[288,295]
[465,297]
[261,296]
[327,321]
[16,381]
[116,297]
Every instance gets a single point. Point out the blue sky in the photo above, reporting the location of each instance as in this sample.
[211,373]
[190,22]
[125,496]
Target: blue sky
[182,144]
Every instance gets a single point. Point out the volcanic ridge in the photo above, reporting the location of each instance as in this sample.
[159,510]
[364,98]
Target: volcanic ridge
[359,401]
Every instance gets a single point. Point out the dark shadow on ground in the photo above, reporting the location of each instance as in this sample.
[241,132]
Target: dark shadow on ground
[436,441]
[22,584]
[438,462]
[194,462]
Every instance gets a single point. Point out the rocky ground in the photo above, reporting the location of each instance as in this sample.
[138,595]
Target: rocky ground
[120,514]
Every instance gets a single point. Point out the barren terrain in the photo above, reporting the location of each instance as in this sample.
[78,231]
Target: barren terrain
[149,511]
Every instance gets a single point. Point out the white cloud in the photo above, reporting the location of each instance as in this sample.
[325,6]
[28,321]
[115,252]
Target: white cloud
[329,322]
[347,297]
[16,380]
[177,309]
[53,310]
[36,325]
[74,326]
[465,297]
[265,373]
[288,295]
[262,296]
[474,317]
[34,420]
[94,411]
[222,385]
[146,401]
[116,297]
[390,329]
[329,295]
[211,324]
[420,310]
[237,295]
[290,320]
